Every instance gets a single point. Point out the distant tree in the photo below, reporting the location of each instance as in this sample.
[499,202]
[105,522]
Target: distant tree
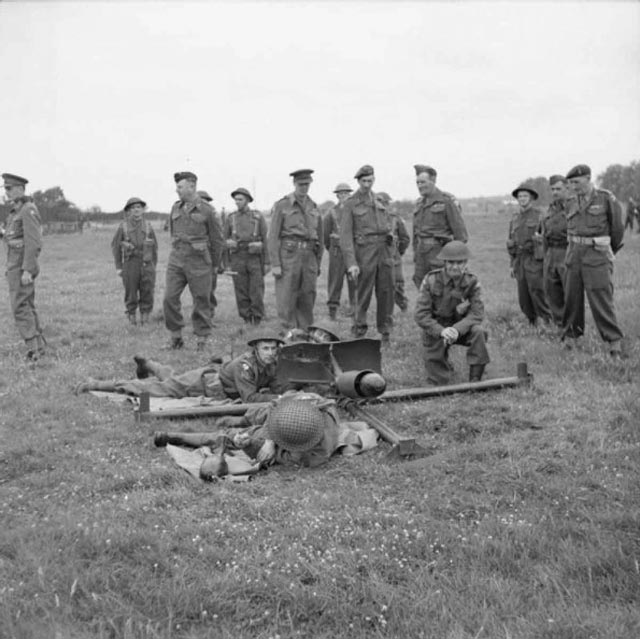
[54,206]
[623,181]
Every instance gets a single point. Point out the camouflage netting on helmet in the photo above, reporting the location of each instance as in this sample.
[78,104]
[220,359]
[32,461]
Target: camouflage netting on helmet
[295,425]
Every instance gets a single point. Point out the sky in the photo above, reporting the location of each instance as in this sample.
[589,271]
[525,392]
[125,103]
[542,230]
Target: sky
[109,99]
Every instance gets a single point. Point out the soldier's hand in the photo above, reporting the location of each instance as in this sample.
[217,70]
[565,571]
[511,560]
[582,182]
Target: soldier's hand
[26,278]
[449,334]
[119,272]
[277,271]
[267,452]
[353,272]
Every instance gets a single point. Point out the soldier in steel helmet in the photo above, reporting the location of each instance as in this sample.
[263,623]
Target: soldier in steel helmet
[401,242]
[337,267]
[205,197]
[450,311]
[247,255]
[250,377]
[595,231]
[524,246]
[196,249]
[135,253]
[437,219]
[295,251]
[366,240]
[23,238]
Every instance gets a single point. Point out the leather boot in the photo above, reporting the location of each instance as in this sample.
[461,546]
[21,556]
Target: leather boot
[132,319]
[33,352]
[144,318]
[142,371]
[333,314]
[475,372]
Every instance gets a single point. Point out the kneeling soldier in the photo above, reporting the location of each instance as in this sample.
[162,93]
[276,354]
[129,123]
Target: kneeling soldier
[135,252]
[449,309]
[245,234]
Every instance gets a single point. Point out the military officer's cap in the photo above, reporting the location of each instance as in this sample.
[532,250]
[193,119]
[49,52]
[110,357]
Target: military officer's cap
[265,336]
[185,175]
[242,191]
[557,178]
[14,180]
[383,197]
[203,195]
[423,168]
[324,327]
[302,175]
[454,251]
[364,171]
[525,187]
[343,187]
[133,200]
[579,171]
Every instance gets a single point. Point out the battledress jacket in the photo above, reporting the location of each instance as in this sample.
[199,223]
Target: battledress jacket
[437,306]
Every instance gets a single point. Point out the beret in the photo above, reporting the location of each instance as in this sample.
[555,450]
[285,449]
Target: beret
[203,195]
[557,178]
[579,171]
[14,180]
[185,175]
[364,171]
[301,174]
[525,187]
[423,168]
[133,200]
[342,188]
[242,191]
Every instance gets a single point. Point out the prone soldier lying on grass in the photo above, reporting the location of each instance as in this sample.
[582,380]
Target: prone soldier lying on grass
[249,377]
[298,429]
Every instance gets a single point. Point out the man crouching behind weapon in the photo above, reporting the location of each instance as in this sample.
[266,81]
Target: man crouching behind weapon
[297,429]
[449,309]
[249,377]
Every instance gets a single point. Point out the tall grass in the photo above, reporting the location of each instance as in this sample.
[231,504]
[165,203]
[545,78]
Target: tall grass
[522,522]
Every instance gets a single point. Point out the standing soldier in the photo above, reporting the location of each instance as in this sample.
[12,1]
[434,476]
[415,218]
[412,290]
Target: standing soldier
[595,230]
[196,249]
[632,212]
[401,244]
[449,310]
[553,229]
[295,251]
[135,252]
[245,235]
[436,221]
[524,246]
[337,268]
[23,237]
[366,240]
[204,195]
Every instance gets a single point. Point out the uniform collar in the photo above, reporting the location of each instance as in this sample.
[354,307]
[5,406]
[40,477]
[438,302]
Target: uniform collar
[433,197]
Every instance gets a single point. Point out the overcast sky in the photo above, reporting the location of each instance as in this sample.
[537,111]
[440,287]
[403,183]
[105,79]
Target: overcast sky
[109,99]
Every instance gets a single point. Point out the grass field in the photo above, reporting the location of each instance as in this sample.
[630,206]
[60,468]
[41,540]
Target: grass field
[523,521]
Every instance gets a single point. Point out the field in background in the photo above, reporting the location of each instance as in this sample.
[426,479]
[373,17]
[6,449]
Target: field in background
[523,521]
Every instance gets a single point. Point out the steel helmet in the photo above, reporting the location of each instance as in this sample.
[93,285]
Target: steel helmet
[295,425]
[454,251]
